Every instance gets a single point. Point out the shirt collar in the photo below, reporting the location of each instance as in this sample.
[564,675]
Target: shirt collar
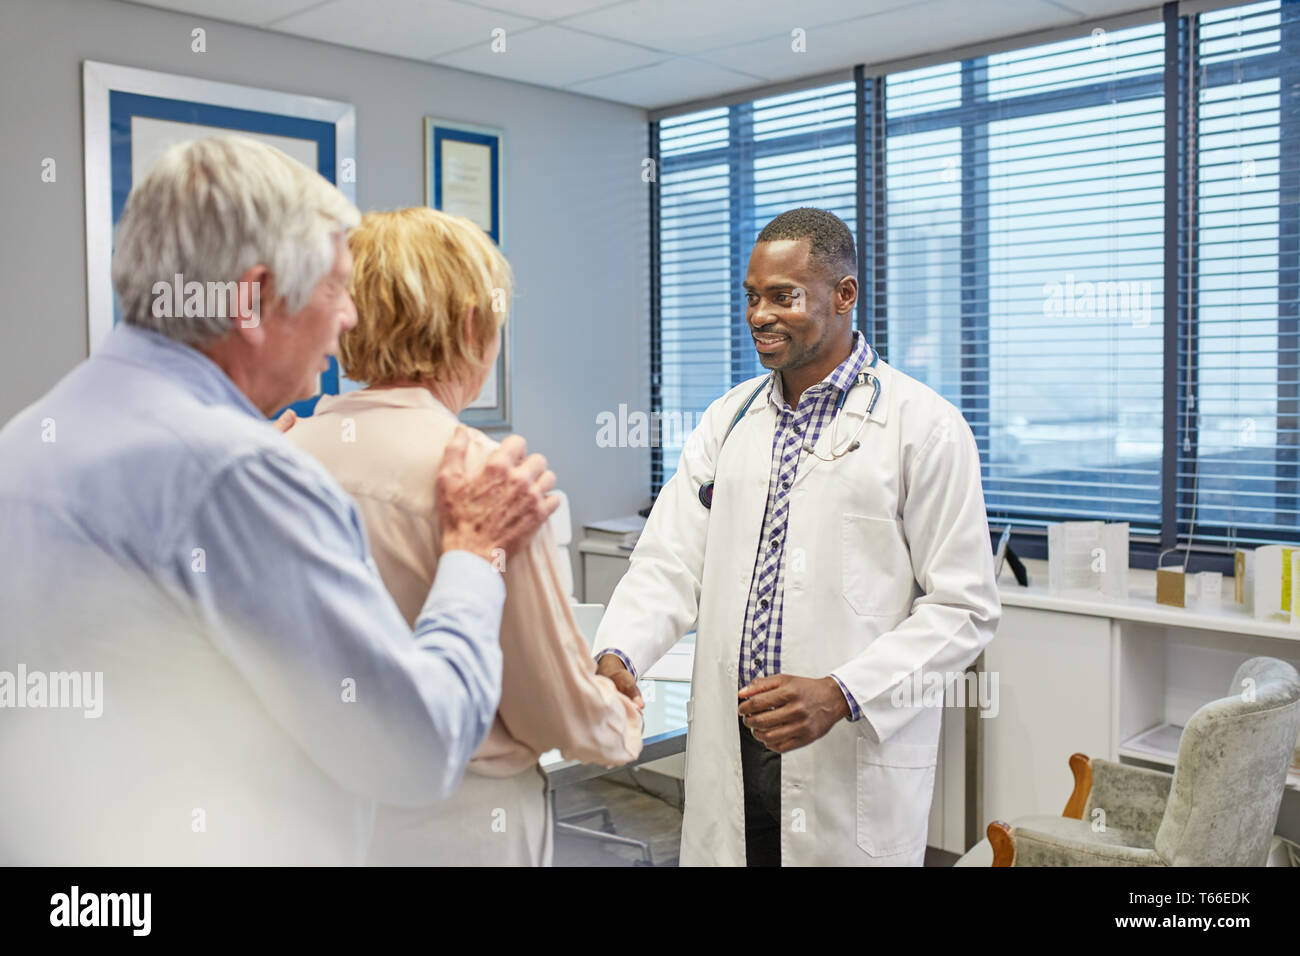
[405,396]
[184,364]
[841,377]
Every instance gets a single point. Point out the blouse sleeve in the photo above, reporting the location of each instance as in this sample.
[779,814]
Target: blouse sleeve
[551,696]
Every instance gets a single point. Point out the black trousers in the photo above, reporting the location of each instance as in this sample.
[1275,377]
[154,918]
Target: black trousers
[761,771]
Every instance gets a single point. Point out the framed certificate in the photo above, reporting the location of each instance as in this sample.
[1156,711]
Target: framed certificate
[132,117]
[462,176]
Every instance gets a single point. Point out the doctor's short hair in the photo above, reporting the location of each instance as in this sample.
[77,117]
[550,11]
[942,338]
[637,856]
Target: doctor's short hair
[210,209]
[831,243]
[416,274]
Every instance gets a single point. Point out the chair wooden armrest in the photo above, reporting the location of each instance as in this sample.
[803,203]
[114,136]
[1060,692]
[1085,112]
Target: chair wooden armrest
[1004,850]
[1082,767]
[999,831]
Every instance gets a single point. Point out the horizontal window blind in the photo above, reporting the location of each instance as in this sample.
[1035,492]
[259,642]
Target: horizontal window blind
[1022,220]
[1025,262]
[723,174]
[695,224]
[1240,370]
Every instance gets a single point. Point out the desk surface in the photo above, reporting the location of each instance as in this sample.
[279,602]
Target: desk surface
[604,547]
[664,734]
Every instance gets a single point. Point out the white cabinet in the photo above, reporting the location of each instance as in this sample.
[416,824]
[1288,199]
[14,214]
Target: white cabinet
[603,566]
[1056,696]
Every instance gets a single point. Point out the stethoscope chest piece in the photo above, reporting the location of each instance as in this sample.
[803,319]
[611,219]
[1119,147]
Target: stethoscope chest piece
[706,494]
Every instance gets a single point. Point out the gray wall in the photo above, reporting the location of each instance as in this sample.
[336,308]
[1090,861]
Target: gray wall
[576,213]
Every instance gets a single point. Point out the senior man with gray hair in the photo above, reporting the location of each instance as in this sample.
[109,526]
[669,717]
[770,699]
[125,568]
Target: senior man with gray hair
[198,660]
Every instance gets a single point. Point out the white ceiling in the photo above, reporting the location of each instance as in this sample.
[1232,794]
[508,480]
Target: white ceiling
[654,53]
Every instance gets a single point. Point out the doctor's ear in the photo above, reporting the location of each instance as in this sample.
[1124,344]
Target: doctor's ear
[846,294]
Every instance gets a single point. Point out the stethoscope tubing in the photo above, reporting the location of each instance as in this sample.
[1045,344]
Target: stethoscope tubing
[864,377]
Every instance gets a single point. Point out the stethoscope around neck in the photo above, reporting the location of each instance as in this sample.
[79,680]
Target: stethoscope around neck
[863,378]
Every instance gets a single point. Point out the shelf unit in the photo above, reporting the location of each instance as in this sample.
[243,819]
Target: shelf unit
[1081,672]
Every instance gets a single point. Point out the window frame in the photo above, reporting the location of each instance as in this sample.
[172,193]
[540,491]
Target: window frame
[1179,83]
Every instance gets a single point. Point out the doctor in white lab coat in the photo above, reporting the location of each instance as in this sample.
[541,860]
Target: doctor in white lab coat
[885,570]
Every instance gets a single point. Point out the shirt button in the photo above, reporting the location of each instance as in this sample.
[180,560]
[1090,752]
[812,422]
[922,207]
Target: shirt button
[785,485]
[775,544]
[763,604]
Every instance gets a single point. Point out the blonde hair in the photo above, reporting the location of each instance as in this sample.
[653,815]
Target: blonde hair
[415,274]
[212,208]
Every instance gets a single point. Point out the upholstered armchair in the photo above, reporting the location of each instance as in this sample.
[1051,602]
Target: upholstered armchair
[1218,807]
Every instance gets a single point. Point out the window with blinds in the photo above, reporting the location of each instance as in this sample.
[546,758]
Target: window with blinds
[1237,467]
[1025,249]
[1091,247]
[723,174]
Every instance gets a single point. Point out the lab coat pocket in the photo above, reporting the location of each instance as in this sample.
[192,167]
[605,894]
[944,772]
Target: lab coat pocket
[876,566]
[895,784]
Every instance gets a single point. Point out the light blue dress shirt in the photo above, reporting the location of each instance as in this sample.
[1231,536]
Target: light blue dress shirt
[260,689]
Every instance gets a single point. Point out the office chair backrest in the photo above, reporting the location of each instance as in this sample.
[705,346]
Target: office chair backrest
[1231,771]
[561,522]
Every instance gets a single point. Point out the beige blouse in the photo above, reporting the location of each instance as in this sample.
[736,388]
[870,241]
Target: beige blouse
[385,446]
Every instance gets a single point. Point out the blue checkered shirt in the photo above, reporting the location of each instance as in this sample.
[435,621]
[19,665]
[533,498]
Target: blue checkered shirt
[760,644]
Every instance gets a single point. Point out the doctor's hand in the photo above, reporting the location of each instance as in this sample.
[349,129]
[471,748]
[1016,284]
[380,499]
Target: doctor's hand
[610,666]
[785,712]
[499,508]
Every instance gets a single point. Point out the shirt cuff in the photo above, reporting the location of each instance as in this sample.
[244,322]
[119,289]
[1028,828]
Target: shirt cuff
[855,712]
[621,656]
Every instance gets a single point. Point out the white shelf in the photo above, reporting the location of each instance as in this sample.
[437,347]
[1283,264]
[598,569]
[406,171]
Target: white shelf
[1159,745]
[1141,606]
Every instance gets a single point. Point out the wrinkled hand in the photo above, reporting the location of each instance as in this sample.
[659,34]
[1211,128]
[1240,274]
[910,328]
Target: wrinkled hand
[499,508]
[610,666]
[785,712]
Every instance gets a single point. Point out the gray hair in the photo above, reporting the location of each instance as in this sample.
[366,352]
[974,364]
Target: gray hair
[209,210]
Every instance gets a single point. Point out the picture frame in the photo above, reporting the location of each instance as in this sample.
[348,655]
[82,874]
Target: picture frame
[463,175]
[131,116]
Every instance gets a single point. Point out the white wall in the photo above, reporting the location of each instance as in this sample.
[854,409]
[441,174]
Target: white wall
[576,211]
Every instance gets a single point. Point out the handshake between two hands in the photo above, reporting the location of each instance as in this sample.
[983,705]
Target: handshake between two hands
[783,712]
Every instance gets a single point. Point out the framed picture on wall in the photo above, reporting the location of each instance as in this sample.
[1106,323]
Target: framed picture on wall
[132,116]
[462,176]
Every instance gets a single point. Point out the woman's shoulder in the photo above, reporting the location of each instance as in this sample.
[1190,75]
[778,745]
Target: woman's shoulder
[380,449]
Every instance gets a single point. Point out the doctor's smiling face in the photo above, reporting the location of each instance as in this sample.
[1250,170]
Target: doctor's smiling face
[800,302]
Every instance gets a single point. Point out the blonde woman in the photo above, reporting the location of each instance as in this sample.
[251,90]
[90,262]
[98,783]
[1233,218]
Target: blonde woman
[432,293]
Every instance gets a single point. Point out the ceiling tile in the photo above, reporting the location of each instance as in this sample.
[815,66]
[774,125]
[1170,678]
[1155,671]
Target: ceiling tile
[932,26]
[551,56]
[666,83]
[654,52]
[544,9]
[419,29]
[1091,9]
[688,26]
[248,12]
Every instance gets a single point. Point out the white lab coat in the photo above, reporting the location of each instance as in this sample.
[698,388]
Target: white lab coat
[888,571]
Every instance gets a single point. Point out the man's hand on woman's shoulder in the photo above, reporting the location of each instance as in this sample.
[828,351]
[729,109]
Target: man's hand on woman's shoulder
[498,508]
